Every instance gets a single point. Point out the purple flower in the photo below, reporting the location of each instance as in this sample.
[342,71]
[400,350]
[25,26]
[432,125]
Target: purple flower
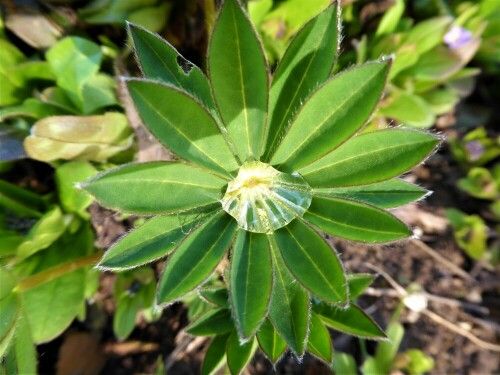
[457,36]
[475,150]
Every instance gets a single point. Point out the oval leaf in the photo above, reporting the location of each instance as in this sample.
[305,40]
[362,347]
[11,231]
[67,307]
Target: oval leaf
[385,194]
[214,322]
[306,64]
[251,281]
[371,157]
[355,221]
[289,306]
[160,60]
[315,264]
[270,342]
[238,72]
[170,187]
[196,258]
[352,320]
[218,297]
[154,239]
[332,115]
[215,356]
[182,125]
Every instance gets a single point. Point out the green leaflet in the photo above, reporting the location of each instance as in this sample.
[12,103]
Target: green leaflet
[238,355]
[10,308]
[170,187]
[214,322]
[319,342]
[215,296]
[385,194]
[160,60]
[51,307]
[355,221]
[352,320]
[22,202]
[358,283]
[196,258]
[125,316]
[289,306]
[315,264]
[23,355]
[409,109]
[333,114]
[386,352]
[270,342]
[251,281]
[369,158]
[239,75]
[215,356]
[344,364]
[154,239]
[182,125]
[306,64]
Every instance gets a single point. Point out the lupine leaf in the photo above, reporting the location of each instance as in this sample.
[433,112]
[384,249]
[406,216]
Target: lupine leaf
[319,341]
[315,264]
[215,356]
[154,239]
[344,364]
[306,64]
[354,220]
[23,349]
[369,158]
[170,187]
[358,282]
[216,296]
[238,355]
[352,320]
[385,194]
[182,125]
[21,201]
[196,258]
[270,341]
[251,281]
[238,72]
[160,60]
[10,307]
[214,322]
[289,306]
[332,115]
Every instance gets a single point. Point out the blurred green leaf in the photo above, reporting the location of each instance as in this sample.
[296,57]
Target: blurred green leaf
[344,364]
[390,19]
[408,109]
[469,231]
[20,201]
[67,176]
[358,282]
[480,183]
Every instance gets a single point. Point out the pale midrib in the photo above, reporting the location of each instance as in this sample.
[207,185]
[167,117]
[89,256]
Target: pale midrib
[365,229]
[373,192]
[245,299]
[178,131]
[314,264]
[362,155]
[207,253]
[162,182]
[242,85]
[164,63]
[315,131]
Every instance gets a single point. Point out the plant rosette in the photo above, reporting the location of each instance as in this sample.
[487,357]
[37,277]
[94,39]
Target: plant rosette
[266,165]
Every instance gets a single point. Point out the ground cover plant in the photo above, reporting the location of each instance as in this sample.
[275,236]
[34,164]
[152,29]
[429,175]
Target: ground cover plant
[265,166]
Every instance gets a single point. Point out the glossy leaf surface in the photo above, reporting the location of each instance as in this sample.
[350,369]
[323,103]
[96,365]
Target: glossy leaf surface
[154,239]
[196,258]
[289,306]
[371,157]
[238,73]
[355,221]
[306,64]
[182,125]
[170,187]
[315,264]
[332,115]
[251,281]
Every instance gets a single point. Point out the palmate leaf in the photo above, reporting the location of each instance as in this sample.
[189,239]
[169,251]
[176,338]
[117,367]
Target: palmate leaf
[182,125]
[251,281]
[170,187]
[369,158]
[385,194]
[154,239]
[354,220]
[331,115]
[159,60]
[315,264]
[306,64]
[239,75]
[196,258]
